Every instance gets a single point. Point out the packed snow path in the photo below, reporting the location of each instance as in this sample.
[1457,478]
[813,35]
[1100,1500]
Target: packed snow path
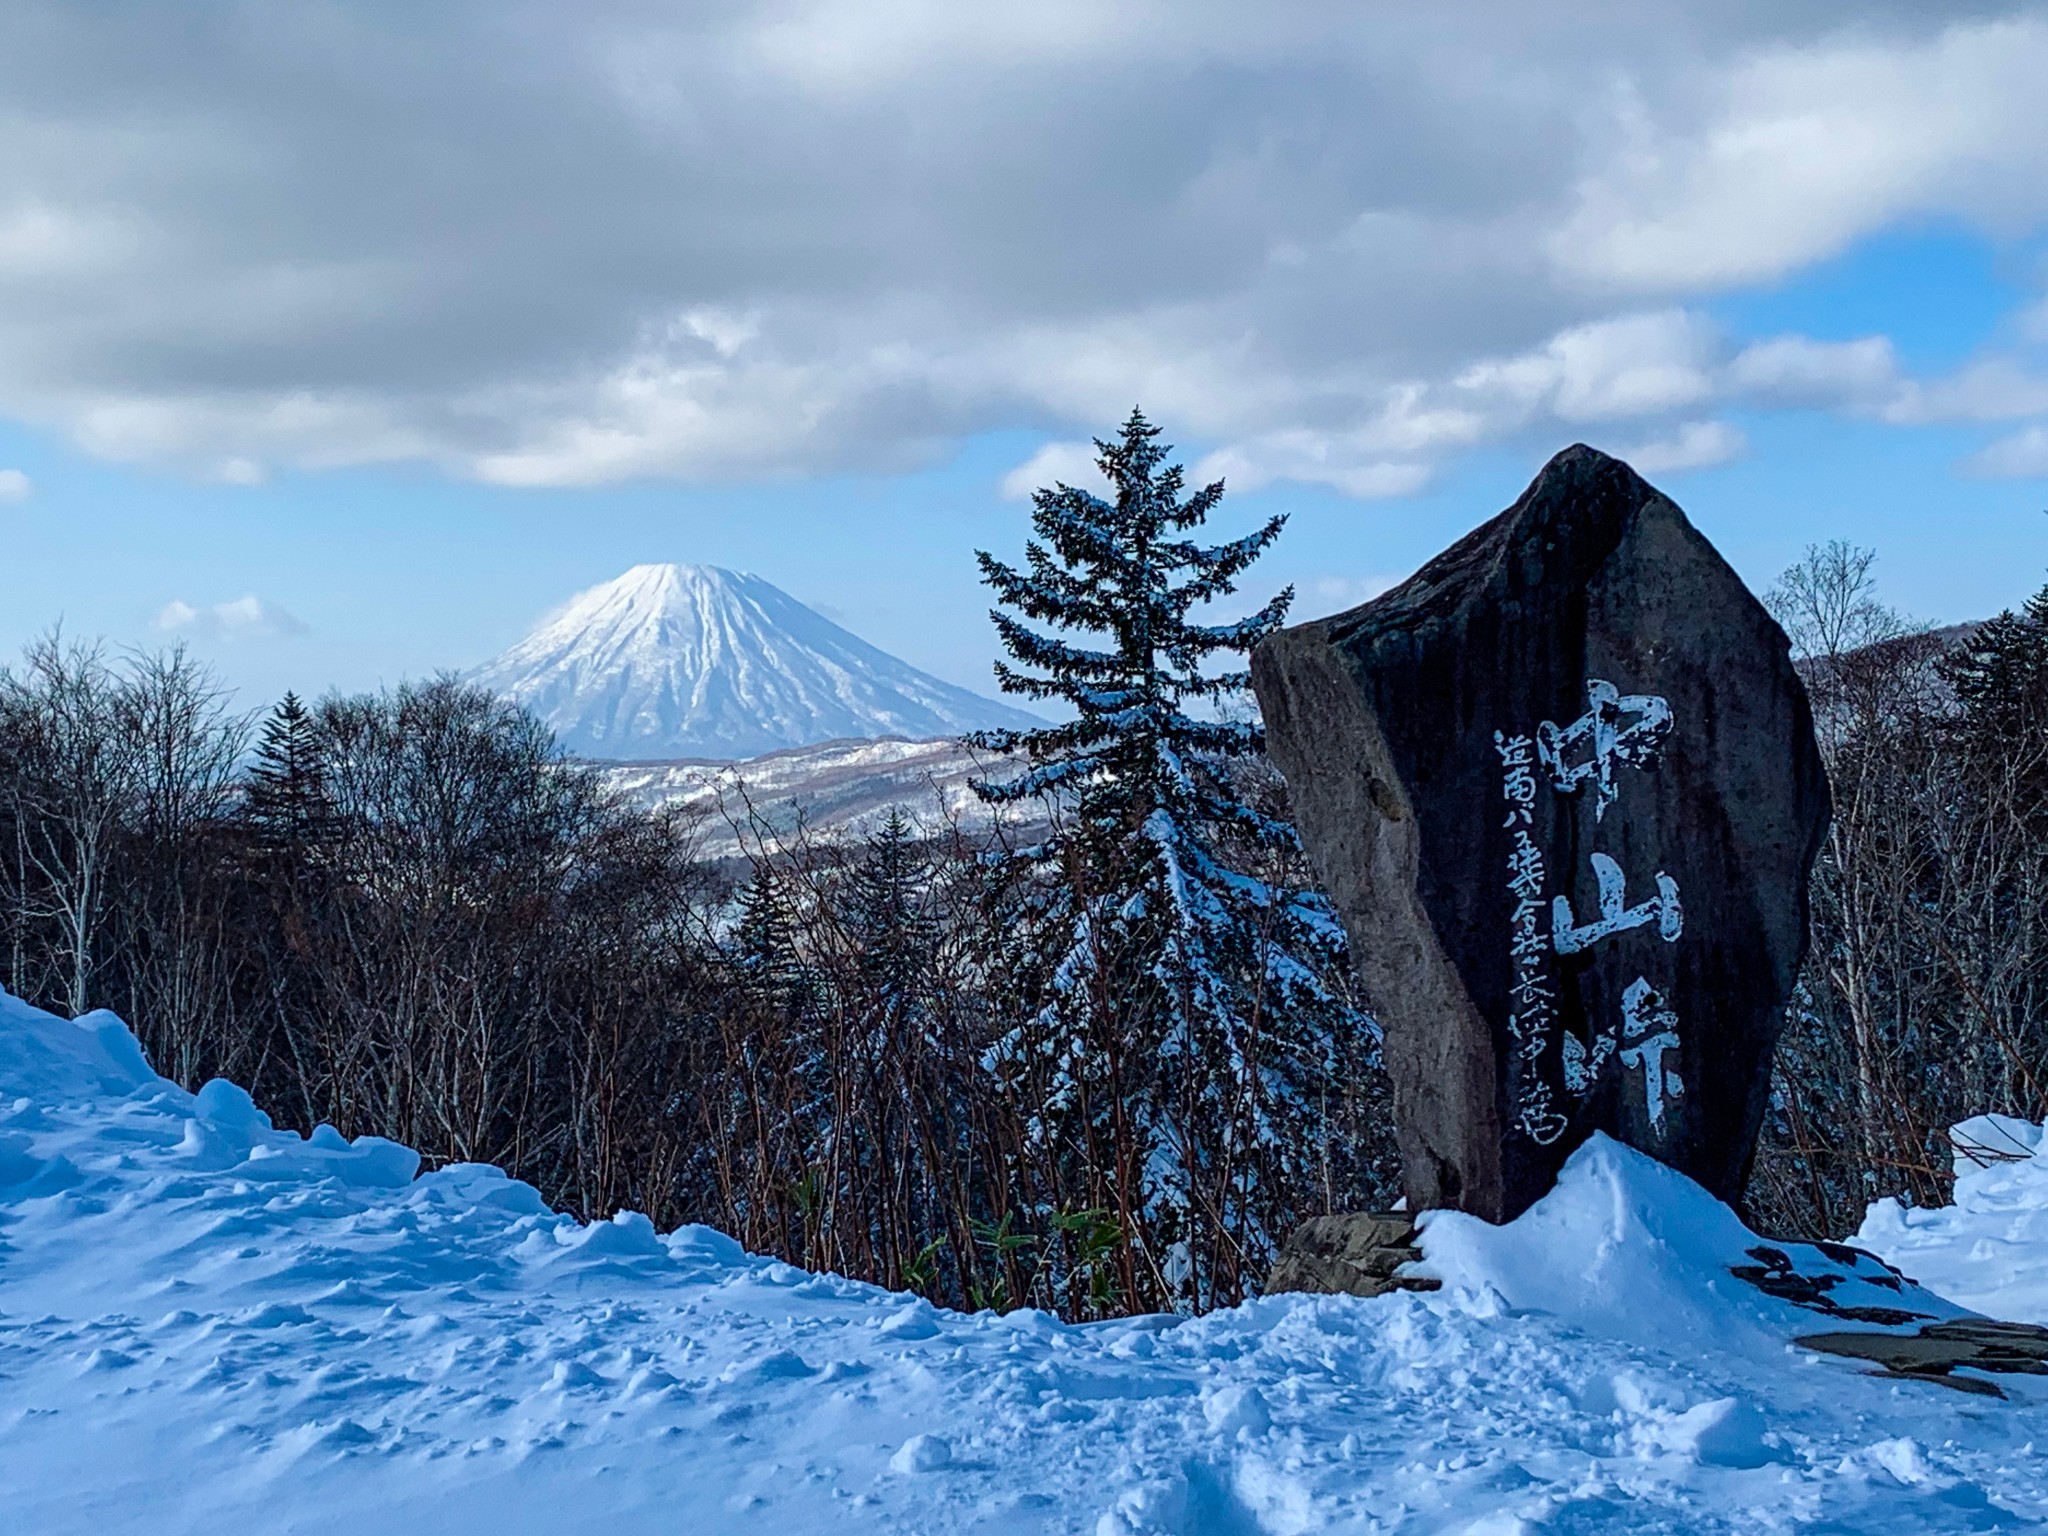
[206,1325]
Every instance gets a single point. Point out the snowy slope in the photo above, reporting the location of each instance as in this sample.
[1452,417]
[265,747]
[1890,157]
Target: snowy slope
[836,789]
[208,1326]
[695,661]
[1989,1248]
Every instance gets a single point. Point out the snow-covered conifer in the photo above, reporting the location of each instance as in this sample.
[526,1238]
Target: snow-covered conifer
[765,957]
[1174,1062]
[883,911]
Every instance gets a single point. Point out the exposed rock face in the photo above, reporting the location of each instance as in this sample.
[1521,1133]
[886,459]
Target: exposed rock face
[1935,1352]
[1563,788]
[1813,1275]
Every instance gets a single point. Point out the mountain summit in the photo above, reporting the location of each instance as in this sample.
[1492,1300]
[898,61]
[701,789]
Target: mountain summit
[696,661]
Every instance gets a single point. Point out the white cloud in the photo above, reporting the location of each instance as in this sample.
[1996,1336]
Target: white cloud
[1633,365]
[202,431]
[1638,366]
[1992,389]
[242,618]
[2022,456]
[1370,482]
[1351,462]
[571,246]
[1062,463]
[725,330]
[1799,371]
[15,485]
[2033,321]
[882,44]
[1801,150]
[1695,445]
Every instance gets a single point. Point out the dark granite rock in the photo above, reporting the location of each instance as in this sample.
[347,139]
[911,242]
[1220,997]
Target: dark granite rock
[1937,1350]
[1818,1276]
[1815,1275]
[1563,788]
[1349,1256]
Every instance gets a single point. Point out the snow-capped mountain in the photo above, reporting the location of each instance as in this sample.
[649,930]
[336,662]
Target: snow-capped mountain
[675,661]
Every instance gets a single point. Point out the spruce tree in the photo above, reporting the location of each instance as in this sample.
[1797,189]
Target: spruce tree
[1176,1061]
[883,913]
[2000,673]
[766,961]
[2000,677]
[286,792]
[782,1097]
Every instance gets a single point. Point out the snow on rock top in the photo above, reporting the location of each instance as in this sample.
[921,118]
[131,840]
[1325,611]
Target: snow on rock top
[207,1324]
[696,661]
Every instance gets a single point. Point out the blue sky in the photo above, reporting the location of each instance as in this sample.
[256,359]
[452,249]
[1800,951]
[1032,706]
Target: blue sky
[387,415]
[397,573]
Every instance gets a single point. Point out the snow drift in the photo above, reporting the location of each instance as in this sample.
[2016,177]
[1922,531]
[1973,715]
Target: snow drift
[1989,1248]
[208,1324]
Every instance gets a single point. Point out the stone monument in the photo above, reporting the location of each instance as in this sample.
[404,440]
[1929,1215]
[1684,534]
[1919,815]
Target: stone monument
[1563,788]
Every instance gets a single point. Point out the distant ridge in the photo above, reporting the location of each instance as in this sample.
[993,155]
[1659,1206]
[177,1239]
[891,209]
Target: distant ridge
[672,661]
[828,793]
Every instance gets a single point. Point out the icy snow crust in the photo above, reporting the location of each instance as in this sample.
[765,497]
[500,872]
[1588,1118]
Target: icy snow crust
[697,661]
[208,1325]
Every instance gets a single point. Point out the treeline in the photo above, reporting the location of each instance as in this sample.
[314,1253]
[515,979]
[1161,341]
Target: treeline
[1925,996]
[403,914]
[1103,1073]
[408,914]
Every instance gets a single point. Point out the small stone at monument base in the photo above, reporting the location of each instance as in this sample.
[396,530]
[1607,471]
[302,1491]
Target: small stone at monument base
[1353,1255]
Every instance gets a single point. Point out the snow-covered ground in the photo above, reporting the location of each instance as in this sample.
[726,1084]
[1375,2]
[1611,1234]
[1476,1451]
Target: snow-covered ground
[1989,1250]
[833,791]
[206,1325]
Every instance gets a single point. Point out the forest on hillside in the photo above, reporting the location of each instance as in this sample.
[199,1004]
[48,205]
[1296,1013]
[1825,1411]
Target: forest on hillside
[923,1057]
[1925,994]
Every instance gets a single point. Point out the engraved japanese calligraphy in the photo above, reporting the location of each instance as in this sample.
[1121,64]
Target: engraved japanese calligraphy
[1616,729]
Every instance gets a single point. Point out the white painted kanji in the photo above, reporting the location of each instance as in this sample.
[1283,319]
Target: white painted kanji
[1616,915]
[1582,1064]
[1649,1029]
[1533,1017]
[1616,728]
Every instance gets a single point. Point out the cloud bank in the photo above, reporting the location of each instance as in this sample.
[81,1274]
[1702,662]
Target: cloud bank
[548,245]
